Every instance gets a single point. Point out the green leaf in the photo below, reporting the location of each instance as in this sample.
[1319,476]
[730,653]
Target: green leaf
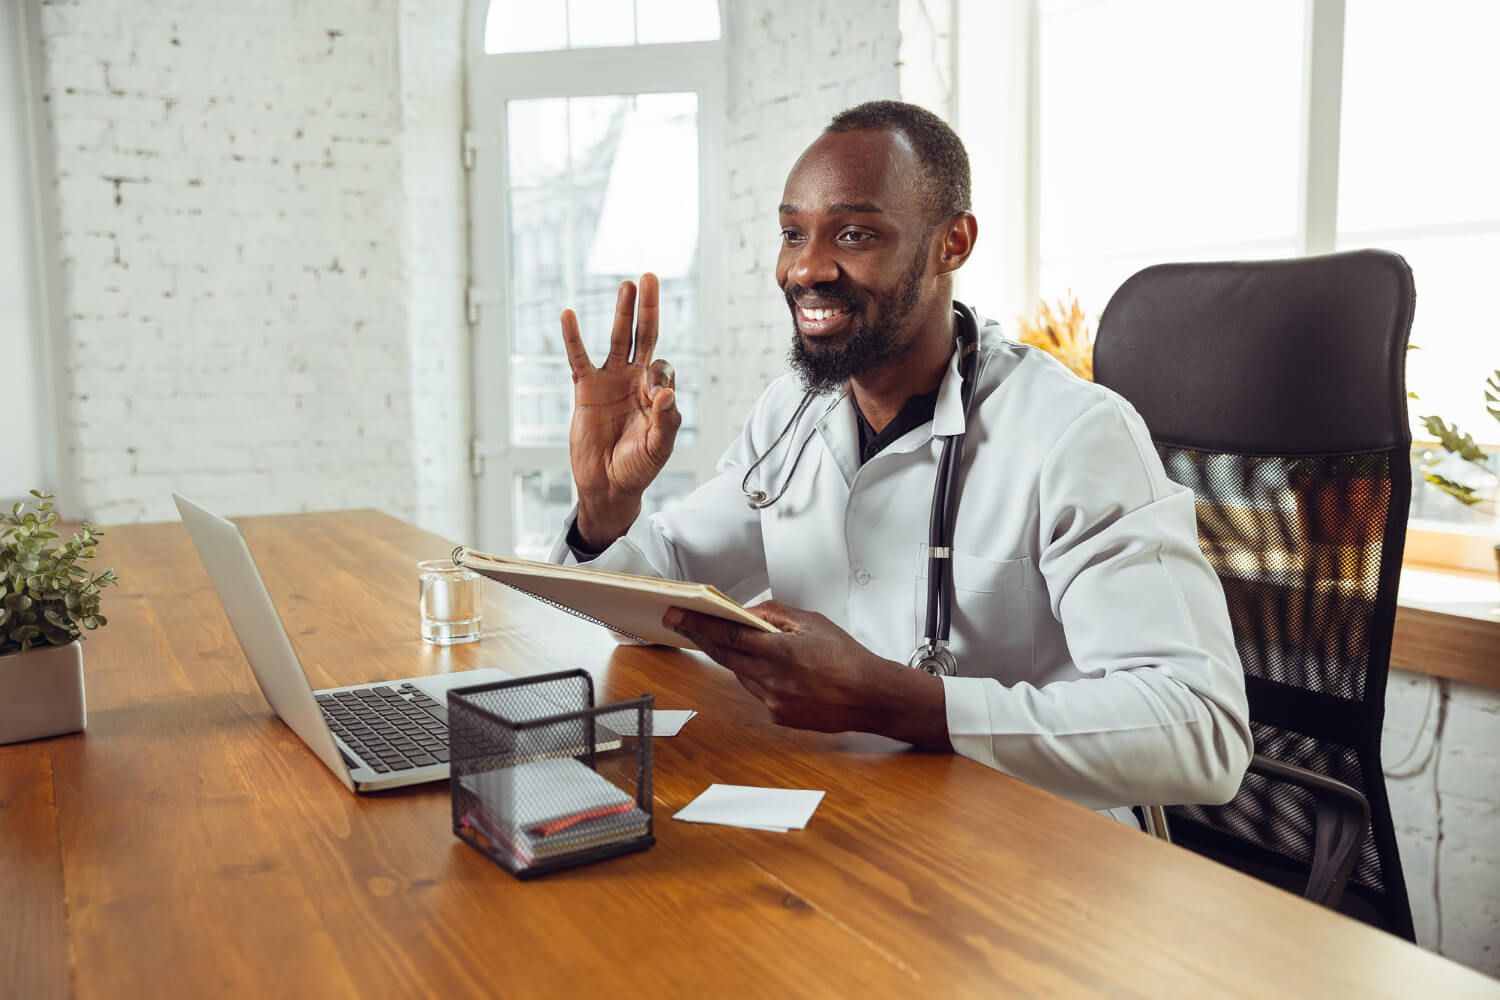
[1463,494]
[1453,439]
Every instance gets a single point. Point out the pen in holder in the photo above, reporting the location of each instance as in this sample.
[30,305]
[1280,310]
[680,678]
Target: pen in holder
[542,779]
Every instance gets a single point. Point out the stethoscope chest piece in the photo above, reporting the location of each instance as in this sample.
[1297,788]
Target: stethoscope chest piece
[935,659]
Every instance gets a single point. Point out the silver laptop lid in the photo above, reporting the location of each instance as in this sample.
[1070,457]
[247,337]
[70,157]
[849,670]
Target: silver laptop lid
[262,636]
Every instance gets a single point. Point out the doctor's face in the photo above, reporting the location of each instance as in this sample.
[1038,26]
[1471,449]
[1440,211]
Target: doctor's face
[855,256]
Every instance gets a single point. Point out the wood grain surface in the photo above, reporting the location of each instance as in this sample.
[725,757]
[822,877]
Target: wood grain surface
[188,843]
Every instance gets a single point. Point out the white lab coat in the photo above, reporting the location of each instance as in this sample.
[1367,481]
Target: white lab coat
[1095,656]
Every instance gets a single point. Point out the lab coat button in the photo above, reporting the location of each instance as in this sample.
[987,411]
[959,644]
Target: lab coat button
[861,576]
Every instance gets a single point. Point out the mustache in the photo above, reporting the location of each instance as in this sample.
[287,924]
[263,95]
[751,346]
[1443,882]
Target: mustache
[832,293]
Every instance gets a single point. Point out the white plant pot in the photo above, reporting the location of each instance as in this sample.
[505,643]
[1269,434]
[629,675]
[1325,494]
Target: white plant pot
[41,693]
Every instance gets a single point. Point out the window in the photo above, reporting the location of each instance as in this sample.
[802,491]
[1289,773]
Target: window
[594,146]
[1159,130]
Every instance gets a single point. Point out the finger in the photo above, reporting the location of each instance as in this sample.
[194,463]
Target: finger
[785,618]
[647,318]
[619,334]
[578,355]
[666,418]
[661,375]
[735,646]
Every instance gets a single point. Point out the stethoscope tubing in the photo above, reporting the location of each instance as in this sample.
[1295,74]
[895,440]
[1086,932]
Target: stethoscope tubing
[932,655]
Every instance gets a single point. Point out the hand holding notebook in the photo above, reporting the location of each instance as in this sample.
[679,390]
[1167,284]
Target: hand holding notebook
[630,605]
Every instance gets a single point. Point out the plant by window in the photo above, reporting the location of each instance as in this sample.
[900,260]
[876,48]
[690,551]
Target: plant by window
[1470,483]
[47,595]
[1063,332]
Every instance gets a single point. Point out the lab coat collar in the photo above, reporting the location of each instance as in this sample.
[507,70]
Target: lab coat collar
[840,432]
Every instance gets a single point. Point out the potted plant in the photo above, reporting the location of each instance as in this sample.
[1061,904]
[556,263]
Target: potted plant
[1461,473]
[48,598]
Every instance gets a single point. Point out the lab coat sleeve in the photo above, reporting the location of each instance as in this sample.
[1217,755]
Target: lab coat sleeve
[712,536]
[1159,716]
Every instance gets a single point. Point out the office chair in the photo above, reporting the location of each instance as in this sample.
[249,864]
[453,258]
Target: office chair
[1276,391]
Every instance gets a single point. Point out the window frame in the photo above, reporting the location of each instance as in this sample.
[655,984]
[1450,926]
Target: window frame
[494,80]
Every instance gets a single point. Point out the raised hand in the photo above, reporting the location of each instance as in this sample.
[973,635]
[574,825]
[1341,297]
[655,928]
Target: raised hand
[625,415]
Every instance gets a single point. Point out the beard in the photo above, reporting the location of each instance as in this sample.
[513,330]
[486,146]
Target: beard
[827,363]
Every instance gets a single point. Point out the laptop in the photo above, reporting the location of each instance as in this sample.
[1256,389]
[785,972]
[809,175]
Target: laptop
[371,736]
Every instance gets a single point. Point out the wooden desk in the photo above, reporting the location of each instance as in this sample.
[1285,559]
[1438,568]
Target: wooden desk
[188,844]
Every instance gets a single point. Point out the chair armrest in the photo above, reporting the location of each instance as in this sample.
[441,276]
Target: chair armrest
[1342,816]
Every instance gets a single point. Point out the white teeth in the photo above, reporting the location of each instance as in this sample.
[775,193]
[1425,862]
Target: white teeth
[819,314]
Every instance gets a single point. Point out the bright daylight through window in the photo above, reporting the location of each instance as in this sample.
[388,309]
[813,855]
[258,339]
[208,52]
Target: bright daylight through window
[596,108]
[1171,130]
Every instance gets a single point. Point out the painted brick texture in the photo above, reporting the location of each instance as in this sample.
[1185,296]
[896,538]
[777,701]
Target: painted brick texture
[792,66]
[228,181]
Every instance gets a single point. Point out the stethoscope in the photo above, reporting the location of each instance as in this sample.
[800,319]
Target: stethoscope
[932,654]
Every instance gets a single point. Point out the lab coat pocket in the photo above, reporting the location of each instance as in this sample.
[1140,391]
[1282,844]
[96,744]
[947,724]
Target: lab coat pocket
[991,611]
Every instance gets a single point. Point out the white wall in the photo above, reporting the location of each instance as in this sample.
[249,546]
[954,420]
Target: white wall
[792,66]
[245,283]
[1442,755]
[24,446]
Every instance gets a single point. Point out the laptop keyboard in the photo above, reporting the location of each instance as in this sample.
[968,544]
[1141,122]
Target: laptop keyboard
[391,728]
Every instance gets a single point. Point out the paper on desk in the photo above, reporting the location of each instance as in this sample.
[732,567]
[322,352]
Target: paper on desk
[776,809]
[669,721]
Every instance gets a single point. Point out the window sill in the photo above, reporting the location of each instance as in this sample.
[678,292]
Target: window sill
[1448,623]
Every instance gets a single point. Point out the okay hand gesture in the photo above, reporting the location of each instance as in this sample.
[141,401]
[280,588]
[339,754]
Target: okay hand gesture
[625,415]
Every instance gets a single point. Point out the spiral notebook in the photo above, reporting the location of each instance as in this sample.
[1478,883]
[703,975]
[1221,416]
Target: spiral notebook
[629,605]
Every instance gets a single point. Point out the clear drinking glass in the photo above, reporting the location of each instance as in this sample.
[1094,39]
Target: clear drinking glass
[450,602]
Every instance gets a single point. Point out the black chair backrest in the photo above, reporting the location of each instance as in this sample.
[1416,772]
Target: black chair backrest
[1276,391]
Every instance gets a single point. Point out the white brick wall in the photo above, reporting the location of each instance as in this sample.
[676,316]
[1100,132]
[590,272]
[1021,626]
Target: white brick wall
[792,66]
[237,254]
[1442,754]
[436,261]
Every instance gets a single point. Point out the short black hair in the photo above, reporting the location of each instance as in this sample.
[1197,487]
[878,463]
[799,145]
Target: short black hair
[945,162]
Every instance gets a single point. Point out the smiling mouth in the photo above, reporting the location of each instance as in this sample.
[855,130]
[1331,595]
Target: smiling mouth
[821,320]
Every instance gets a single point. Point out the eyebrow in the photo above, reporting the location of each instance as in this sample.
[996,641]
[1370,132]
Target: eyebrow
[841,208]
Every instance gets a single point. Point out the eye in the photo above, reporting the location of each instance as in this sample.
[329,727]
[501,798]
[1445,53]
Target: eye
[791,236]
[855,236]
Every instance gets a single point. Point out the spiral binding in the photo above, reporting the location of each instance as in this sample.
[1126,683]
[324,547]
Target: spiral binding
[458,553]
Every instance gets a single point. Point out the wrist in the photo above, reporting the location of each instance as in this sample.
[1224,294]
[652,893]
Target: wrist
[913,708]
[601,523]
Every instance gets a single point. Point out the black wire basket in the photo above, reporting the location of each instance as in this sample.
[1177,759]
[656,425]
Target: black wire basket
[542,779]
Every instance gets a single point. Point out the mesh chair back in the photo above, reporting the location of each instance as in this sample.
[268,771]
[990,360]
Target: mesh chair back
[1275,390]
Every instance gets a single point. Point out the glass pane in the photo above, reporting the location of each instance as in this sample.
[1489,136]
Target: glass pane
[532,26]
[543,500]
[514,26]
[1419,143]
[599,22]
[1095,279]
[676,20]
[544,497]
[613,194]
[1454,329]
[1438,509]
[1168,124]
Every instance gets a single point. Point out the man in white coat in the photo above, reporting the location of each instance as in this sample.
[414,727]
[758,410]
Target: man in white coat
[1093,647]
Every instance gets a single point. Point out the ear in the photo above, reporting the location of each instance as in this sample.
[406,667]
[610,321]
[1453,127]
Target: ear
[957,242]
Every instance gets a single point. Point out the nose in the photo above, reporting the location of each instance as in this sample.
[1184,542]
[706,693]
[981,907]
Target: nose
[809,264]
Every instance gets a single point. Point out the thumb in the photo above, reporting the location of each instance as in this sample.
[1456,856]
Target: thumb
[665,419]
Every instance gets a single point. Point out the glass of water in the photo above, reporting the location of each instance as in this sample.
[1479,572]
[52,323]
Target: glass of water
[450,602]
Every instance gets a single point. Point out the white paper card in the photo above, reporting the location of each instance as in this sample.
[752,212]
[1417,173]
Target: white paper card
[669,721]
[756,808]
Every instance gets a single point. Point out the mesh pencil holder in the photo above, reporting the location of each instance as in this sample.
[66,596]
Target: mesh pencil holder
[542,779]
